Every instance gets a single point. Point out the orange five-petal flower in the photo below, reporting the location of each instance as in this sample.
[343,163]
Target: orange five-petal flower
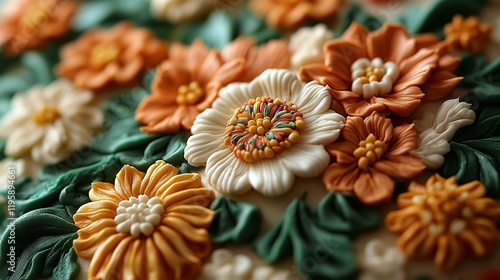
[189,81]
[385,71]
[292,13]
[30,24]
[149,225]
[369,154]
[111,57]
[445,221]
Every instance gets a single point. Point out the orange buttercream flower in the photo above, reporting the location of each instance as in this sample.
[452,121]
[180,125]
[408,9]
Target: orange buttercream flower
[111,57]
[30,24]
[369,154]
[146,226]
[189,81]
[446,221]
[292,13]
[467,34]
[384,71]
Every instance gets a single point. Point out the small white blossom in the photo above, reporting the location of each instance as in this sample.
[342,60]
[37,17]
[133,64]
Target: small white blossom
[306,45]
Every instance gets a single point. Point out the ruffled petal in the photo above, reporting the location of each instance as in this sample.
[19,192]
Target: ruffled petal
[341,177]
[391,43]
[373,187]
[270,177]
[228,174]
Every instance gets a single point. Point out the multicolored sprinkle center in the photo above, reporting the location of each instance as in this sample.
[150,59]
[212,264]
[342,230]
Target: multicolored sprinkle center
[262,128]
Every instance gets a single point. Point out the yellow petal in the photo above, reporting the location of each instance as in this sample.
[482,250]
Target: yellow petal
[128,181]
[156,176]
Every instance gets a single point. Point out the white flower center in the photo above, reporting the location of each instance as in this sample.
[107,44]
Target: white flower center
[139,215]
[373,78]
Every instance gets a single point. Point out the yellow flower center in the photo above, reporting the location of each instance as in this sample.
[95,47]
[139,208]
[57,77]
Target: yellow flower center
[36,15]
[103,54]
[262,128]
[372,74]
[46,115]
[189,94]
[369,151]
[139,215]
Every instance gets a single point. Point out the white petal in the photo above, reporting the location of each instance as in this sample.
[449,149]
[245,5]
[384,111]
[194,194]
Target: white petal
[282,84]
[213,120]
[313,99]
[234,96]
[305,160]
[270,177]
[226,173]
[20,141]
[322,129]
[201,146]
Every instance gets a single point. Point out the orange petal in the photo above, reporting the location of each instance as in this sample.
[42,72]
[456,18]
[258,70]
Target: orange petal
[156,178]
[128,181]
[426,40]
[340,55]
[440,84]
[274,54]
[95,211]
[342,152]
[354,130]
[103,191]
[341,177]
[401,103]
[399,221]
[380,126]
[239,48]
[320,73]
[356,33]
[360,107]
[103,254]
[450,252]
[391,43]
[373,187]
[415,70]
[134,262]
[115,261]
[208,68]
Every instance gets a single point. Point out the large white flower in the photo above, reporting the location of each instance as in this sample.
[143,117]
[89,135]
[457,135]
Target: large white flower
[261,134]
[47,123]
[176,11]
[306,45]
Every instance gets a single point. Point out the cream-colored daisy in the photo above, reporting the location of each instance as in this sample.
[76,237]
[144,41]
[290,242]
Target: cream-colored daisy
[47,123]
[262,134]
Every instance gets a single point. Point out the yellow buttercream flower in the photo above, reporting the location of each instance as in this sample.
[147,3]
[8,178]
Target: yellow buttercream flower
[149,225]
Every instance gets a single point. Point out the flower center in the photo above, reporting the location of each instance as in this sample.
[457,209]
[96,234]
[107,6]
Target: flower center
[46,115]
[36,15]
[373,78]
[262,128]
[189,94]
[139,215]
[103,54]
[369,151]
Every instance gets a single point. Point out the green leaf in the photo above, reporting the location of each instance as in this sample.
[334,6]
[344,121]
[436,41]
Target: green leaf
[434,16]
[68,268]
[92,14]
[39,67]
[476,70]
[217,31]
[318,252]
[475,149]
[43,238]
[342,213]
[355,13]
[235,222]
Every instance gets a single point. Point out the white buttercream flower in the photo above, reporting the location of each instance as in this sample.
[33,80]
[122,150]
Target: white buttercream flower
[380,262]
[306,45]
[226,266]
[176,11]
[437,129]
[47,123]
[261,134]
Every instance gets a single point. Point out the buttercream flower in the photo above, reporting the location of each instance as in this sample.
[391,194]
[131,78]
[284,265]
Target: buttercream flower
[369,155]
[445,221]
[188,83]
[381,262]
[385,71]
[261,134]
[110,57]
[177,11]
[149,225]
[467,34]
[292,13]
[30,24]
[306,45]
[48,123]
[226,266]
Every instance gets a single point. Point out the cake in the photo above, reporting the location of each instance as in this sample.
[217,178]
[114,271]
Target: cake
[261,139]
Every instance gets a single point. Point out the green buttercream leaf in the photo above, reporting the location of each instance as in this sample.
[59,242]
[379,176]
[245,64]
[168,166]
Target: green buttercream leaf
[355,13]
[475,149]
[434,16]
[318,252]
[39,68]
[476,70]
[91,14]
[217,31]
[43,238]
[345,214]
[235,222]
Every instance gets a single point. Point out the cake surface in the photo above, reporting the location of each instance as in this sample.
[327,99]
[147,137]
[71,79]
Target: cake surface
[260,139]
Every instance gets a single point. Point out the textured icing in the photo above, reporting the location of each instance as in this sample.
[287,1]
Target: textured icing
[362,165]
[422,71]
[271,177]
[234,222]
[105,57]
[176,246]
[381,262]
[437,129]
[445,221]
[46,124]
[317,252]
[306,45]
[226,266]
[467,34]
[176,11]
[210,70]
